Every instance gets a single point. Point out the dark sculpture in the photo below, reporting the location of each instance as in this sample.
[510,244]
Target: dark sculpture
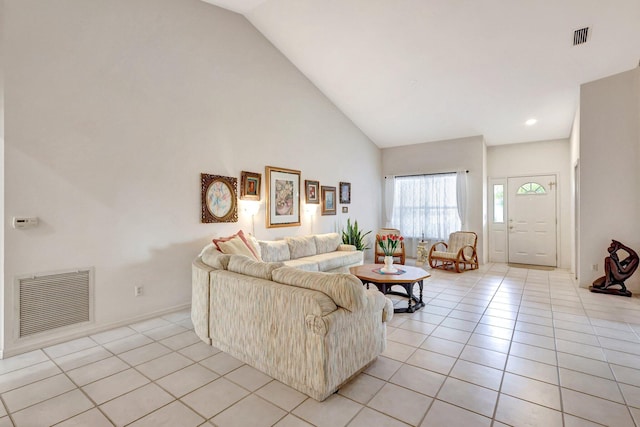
[616,271]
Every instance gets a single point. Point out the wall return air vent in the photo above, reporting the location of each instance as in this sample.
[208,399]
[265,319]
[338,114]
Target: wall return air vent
[53,301]
[580,36]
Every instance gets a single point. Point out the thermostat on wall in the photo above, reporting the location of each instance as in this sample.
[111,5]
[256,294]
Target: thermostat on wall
[24,222]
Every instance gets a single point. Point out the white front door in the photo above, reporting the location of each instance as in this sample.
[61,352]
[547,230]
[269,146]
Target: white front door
[532,220]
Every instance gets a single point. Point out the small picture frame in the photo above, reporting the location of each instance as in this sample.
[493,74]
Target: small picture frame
[283,197]
[328,200]
[345,192]
[250,185]
[219,198]
[312,191]
[345,209]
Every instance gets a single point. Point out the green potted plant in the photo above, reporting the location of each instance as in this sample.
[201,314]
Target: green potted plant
[352,235]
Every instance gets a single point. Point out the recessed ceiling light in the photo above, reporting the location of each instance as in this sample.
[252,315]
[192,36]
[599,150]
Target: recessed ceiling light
[531,122]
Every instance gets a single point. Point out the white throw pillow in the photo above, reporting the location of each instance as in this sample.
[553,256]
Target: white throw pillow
[274,251]
[328,242]
[301,246]
[237,246]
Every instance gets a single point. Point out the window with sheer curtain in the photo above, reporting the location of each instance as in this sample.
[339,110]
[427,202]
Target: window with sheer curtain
[426,206]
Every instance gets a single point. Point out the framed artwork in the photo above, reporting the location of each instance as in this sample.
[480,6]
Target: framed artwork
[283,197]
[328,200]
[345,209]
[219,198]
[345,192]
[312,191]
[250,185]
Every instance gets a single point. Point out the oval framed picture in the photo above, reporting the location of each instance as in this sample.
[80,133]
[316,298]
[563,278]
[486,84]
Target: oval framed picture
[219,198]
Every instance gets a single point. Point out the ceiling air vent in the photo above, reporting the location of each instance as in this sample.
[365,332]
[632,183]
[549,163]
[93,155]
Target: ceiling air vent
[580,36]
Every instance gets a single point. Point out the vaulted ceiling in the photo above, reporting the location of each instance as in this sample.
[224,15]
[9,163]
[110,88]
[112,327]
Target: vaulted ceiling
[413,71]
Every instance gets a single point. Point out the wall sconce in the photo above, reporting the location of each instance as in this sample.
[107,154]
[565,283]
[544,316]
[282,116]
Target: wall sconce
[311,209]
[251,208]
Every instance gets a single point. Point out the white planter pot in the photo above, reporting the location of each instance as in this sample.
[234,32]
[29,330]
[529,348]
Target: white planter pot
[388,265]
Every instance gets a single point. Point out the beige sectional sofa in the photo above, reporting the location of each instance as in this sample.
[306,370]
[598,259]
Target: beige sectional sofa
[319,252]
[310,330]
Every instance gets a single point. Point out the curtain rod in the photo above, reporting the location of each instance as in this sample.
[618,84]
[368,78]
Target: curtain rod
[427,174]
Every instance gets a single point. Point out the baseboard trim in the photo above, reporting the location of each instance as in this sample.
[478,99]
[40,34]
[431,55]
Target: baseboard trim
[20,348]
[531,267]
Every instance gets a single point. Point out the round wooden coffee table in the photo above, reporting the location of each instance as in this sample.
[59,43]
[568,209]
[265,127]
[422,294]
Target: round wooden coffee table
[369,273]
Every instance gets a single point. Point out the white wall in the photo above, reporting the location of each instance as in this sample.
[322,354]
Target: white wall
[447,156]
[1,163]
[485,218]
[540,158]
[609,173]
[574,138]
[574,164]
[113,109]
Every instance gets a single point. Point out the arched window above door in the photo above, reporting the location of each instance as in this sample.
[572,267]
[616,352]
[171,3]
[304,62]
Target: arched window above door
[530,188]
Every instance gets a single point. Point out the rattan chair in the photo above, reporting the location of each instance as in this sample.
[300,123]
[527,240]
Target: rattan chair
[459,253]
[399,253]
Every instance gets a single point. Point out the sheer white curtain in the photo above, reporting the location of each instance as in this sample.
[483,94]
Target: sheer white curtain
[461,197]
[425,206]
[389,190]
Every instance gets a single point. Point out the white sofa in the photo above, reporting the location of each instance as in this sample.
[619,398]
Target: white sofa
[310,330]
[318,252]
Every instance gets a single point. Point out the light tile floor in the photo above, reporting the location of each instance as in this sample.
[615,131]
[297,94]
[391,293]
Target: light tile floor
[493,347]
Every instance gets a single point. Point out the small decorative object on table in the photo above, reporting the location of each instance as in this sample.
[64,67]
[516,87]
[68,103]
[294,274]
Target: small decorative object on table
[388,243]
